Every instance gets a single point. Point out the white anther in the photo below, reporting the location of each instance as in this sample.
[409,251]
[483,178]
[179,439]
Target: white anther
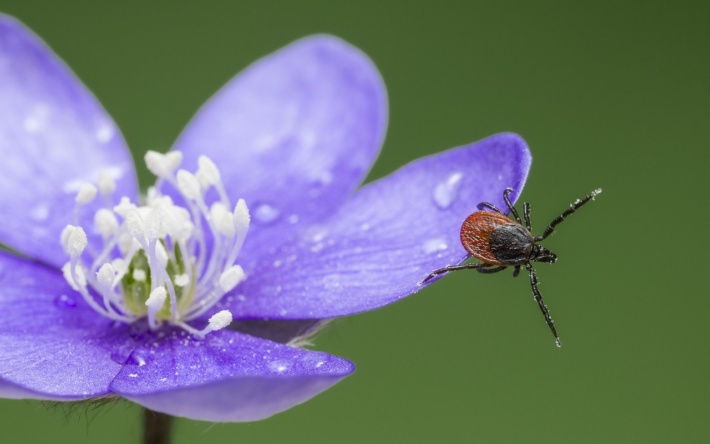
[73,240]
[241,216]
[222,219]
[231,277]
[219,320]
[106,183]
[134,223]
[176,221]
[126,243]
[157,298]
[163,165]
[123,207]
[80,276]
[105,276]
[182,280]
[154,224]
[207,172]
[120,265]
[161,255]
[105,222]
[86,194]
[189,185]
[139,275]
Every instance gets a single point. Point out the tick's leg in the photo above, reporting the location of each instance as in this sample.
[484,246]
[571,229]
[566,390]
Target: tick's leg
[453,268]
[492,269]
[490,206]
[526,215]
[541,304]
[510,205]
[572,208]
[516,271]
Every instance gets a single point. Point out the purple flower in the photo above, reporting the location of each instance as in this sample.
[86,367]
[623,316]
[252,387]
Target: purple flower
[130,298]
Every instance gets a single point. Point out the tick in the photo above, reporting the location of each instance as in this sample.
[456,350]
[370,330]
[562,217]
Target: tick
[499,242]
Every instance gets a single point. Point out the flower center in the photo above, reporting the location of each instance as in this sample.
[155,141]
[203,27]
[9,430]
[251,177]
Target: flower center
[155,261]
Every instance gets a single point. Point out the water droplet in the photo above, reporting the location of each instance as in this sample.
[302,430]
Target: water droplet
[265,213]
[278,366]
[65,301]
[139,357]
[40,212]
[120,354]
[446,192]
[434,245]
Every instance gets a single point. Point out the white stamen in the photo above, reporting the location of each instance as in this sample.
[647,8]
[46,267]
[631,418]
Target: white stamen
[134,223]
[123,207]
[182,280]
[73,240]
[220,320]
[106,183]
[163,165]
[161,255]
[231,277]
[86,194]
[106,222]
[188,185]
[155,303]
[105,276]
[223,220]
[80,276]
[241,216]
[139,275]
[154,225]
[127,243]
[207,173]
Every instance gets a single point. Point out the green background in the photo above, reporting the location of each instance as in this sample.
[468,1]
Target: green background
[607,94]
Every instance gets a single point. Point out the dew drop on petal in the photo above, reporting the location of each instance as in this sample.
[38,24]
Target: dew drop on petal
[139,357]
[121,353]
[265,213]
[278,366]
[65,301]
[446,192]
[434,245]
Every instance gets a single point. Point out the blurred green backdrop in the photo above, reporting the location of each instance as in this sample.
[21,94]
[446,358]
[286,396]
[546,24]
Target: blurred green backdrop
[608,94]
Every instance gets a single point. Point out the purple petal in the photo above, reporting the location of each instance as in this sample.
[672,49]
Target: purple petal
[385,240]
[294,134]
[227,377]
[53,136]
[53,346]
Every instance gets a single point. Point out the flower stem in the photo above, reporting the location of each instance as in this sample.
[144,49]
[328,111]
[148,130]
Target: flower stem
[156,427]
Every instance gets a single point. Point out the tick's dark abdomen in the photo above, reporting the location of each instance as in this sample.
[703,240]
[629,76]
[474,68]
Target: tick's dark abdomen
[511,244]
